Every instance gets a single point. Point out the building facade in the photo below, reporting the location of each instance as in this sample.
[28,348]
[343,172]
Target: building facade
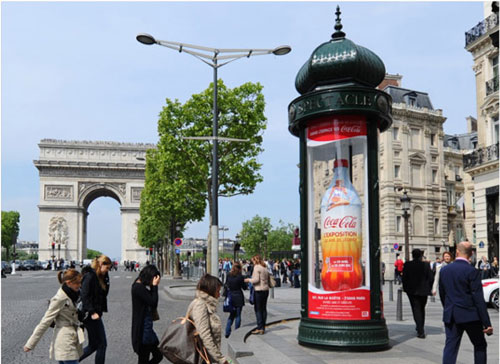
[482,164]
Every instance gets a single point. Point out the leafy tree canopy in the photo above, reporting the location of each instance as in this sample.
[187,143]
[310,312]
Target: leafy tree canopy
[10,229]
[91,254]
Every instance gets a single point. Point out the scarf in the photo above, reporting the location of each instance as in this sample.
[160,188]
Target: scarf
[70,293]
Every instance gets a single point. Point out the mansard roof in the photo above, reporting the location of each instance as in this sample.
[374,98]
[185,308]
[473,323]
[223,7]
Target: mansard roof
[460,141]
[401,95]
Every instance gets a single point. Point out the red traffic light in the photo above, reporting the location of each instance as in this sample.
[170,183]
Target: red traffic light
[53,245]
[150,249]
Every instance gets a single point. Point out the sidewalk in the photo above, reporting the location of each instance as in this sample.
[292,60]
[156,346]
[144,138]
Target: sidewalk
[280,344]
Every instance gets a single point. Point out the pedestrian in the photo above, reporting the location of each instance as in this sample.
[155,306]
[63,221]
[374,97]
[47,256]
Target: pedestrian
[484,266]
[203,311]
[494,267]
[260,281]
[464,308]
[94,292]
[67,339]
[144,312]
[235,283]
[447,259]
[398,269]
[417,282]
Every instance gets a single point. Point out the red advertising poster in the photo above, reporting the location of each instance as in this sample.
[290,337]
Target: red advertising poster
[342,305]
[330,128]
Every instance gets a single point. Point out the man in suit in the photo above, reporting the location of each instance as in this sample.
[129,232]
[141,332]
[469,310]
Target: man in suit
[417,282]
[464,309]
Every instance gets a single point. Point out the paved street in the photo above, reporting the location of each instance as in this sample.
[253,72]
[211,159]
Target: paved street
[25,298]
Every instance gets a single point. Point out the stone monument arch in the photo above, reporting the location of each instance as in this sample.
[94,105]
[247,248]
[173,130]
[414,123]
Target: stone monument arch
[75,173]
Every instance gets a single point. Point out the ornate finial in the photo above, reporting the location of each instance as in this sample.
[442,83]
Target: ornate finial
[338,26]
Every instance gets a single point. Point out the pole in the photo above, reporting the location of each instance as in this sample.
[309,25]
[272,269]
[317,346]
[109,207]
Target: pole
[215,186]
[399,305]
[391,294]
[407,239]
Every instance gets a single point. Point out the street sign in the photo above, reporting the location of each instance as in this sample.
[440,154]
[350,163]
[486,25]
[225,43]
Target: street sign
[396,246]
[178,241]
[481,244]
[177,251]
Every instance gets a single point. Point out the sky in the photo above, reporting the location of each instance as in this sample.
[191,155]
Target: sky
[74,71]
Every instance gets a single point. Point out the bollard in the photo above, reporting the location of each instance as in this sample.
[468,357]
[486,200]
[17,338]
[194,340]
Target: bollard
[391,294]
[399,305]
[272,293]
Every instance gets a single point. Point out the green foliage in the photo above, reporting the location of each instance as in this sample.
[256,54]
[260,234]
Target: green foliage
[91,254]
[254,241]
[178,172]
[10,230]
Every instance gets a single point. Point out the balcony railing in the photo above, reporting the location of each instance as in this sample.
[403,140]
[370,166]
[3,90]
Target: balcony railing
[481,29]
[492,85]
[481,156]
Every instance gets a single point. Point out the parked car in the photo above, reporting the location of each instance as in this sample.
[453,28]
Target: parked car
[30,264]
[17,264]
[6,267]
[46,265]
[490,291]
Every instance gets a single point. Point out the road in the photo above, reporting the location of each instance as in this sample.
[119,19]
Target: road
[25,299]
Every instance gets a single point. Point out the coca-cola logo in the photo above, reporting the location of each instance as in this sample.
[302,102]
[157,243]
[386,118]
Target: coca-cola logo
[346,222]
[350,129]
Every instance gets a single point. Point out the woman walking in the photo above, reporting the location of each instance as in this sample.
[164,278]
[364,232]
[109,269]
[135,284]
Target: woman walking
[67,339]
[144,305]
[94,292]
[447,259]
[235,283]
[203,311]
[260,281]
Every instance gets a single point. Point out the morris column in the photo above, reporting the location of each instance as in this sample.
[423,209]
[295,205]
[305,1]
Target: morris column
[337,119]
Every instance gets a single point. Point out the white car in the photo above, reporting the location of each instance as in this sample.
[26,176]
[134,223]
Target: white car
[490,290]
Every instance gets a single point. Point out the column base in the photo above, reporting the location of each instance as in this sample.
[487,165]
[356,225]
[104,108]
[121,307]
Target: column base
[371,335]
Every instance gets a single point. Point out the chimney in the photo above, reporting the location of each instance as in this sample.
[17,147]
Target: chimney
[390,80]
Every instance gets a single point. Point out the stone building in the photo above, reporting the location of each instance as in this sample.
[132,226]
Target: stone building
[482,164]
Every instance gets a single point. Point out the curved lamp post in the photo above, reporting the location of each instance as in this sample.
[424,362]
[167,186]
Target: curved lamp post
[405,206]
[211,57]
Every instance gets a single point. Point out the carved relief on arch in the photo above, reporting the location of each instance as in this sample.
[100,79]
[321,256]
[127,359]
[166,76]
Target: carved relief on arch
[84,186]
[58,192]
[136,194]
[58,231]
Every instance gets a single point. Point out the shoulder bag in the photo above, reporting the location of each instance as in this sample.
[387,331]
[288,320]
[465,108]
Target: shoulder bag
[228,303]
[181,343]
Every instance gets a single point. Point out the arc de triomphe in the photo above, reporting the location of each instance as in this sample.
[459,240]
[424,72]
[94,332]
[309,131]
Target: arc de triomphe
[75,173]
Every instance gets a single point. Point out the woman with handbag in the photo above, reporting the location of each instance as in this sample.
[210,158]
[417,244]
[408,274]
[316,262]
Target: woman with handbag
[235,283]
[66,345]
[94,292]
[203,312]
[144,312]
[260,280]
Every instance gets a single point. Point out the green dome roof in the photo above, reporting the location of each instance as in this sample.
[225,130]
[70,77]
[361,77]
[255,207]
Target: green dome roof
[340,61]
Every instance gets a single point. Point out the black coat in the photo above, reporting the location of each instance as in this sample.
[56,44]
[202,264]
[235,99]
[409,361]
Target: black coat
[94,297]
[417,278]
[235,284]
[141,299]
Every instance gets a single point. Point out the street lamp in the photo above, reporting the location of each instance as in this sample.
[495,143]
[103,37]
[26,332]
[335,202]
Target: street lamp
[405,206]
[211,56]
[266,231]
[223,228]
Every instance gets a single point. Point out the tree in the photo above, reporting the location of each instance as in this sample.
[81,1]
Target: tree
[178,174]
[10,229]
[252,236]
[91,254]
[281,237]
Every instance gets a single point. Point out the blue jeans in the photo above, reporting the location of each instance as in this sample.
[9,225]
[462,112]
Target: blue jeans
[261,309]
[232,316]
[68,361]
[97,340]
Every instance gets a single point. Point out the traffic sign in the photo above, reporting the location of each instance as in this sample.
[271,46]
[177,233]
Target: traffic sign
[481,244]
[177,251]
[396,246]
[178,241]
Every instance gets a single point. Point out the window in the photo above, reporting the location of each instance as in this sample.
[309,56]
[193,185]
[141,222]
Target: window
[436,226]
[474,233]
[396,171]
[450,195]
[434,175]
[434,159]
[496,131]
[398,224]
[433,141]
[418,221]
[395,133]
[460,234]
[415,138]
[473,201]
[416,178]
[396,154]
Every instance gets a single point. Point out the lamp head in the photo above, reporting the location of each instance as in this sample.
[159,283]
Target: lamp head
[145,38]
[282,50]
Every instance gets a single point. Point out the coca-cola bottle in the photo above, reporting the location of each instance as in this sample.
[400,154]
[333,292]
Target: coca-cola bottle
[341,238]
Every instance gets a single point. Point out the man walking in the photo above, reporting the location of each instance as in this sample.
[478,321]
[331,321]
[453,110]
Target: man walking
[464,308]
[417,282]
